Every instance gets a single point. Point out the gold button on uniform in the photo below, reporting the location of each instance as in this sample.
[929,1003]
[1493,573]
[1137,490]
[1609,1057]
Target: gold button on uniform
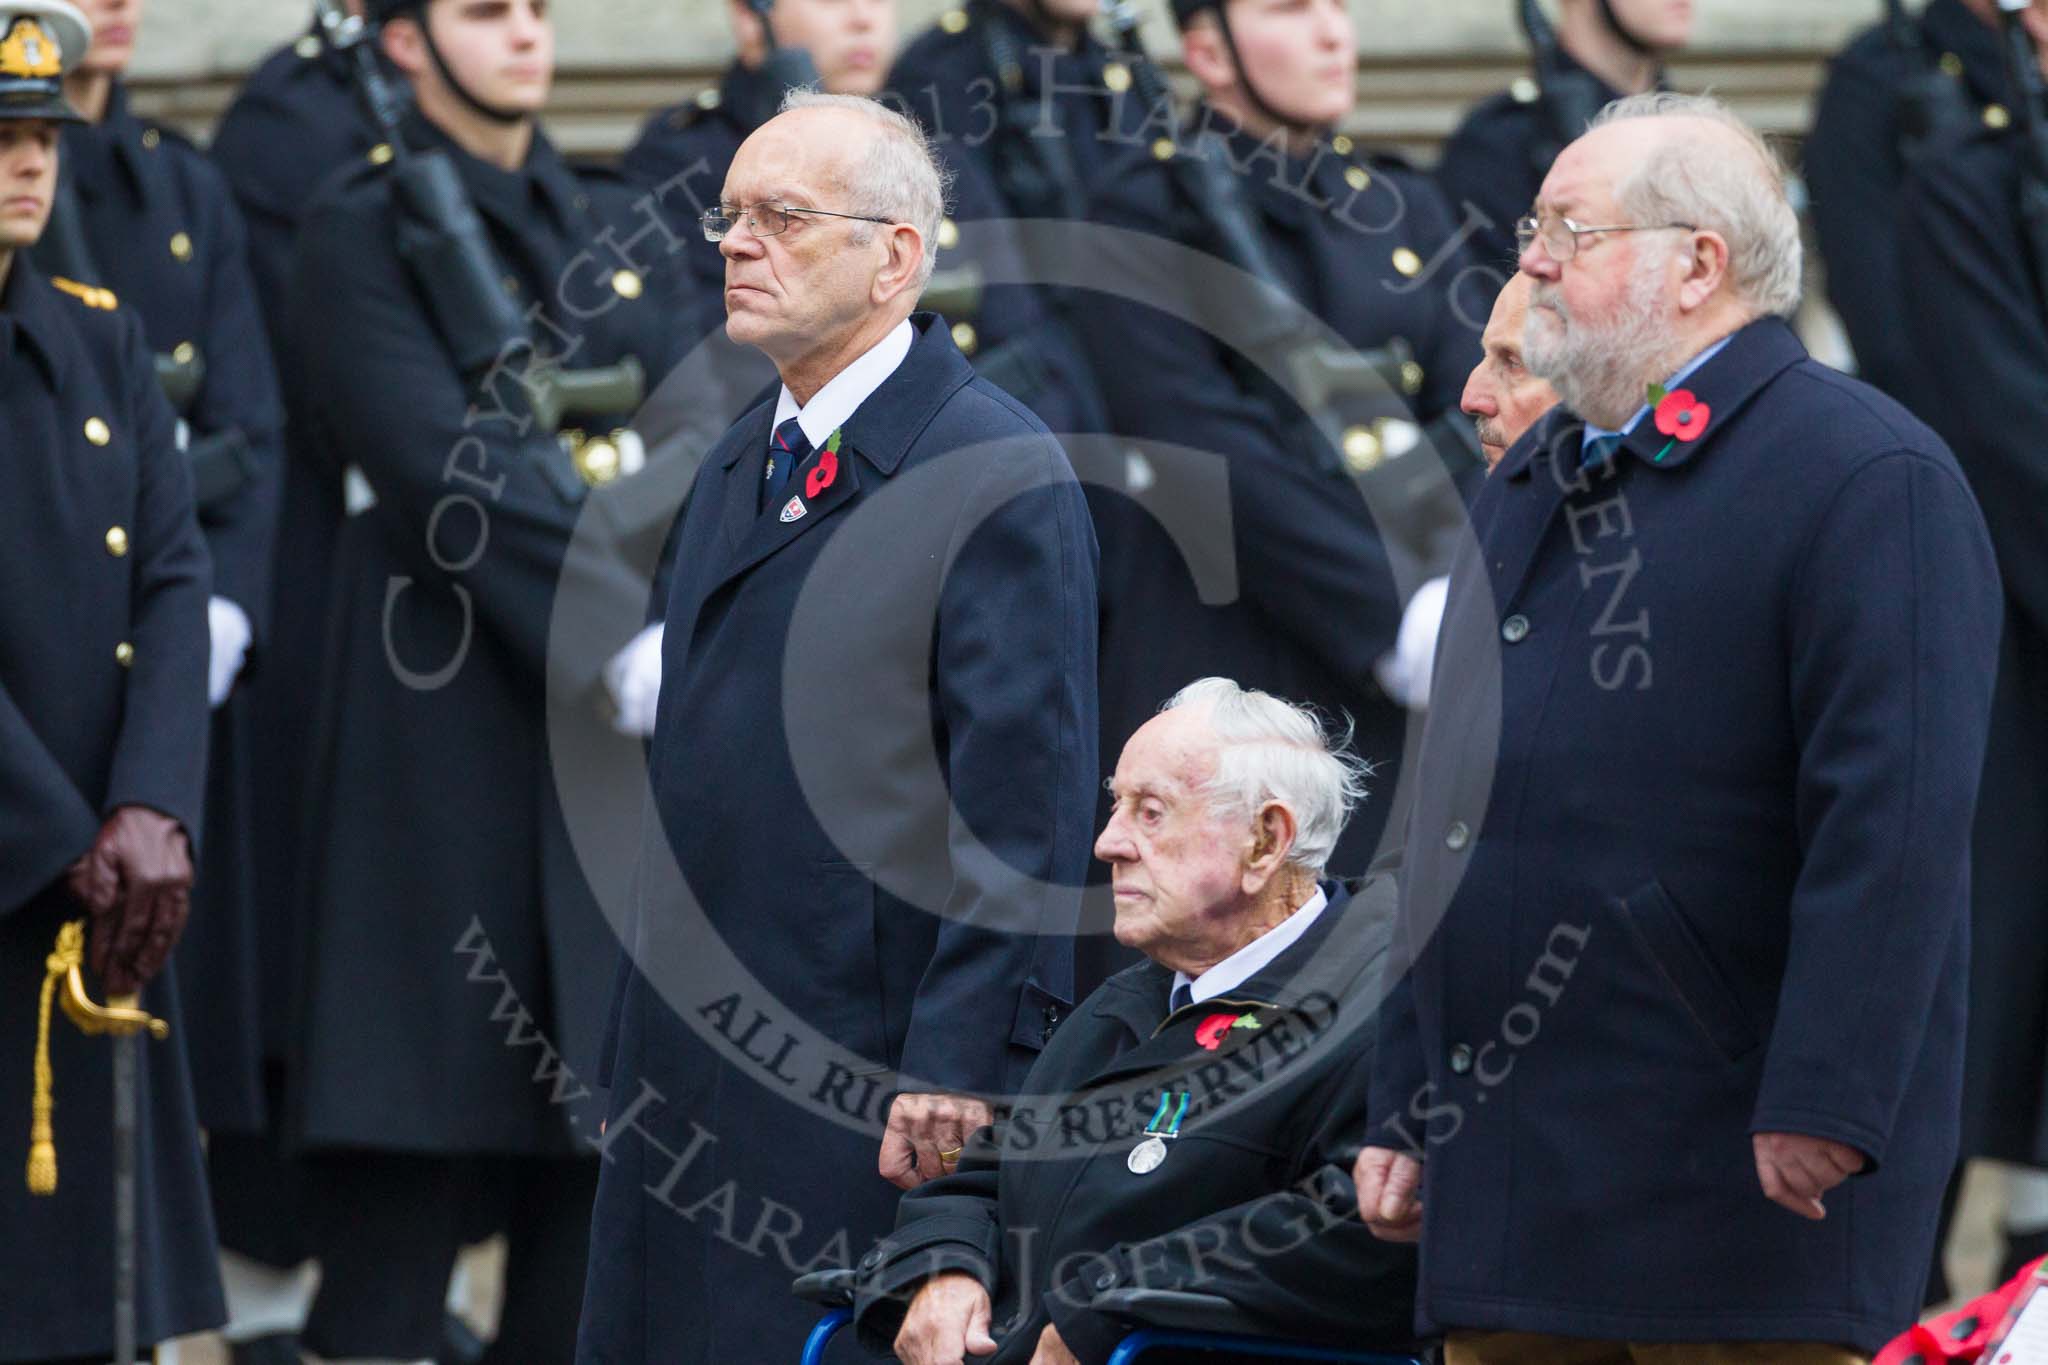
[124,654]
[626,284]
[96,431]
[1407,262]
[1163,149]
[1951,64]
[151,139]
[708,97]
[954,21]
[965,338]
[949,234]
[183,352]
[597,462]
[181,245]
[307,47]
[1524,90]
[1996,117]
[1356,178]
[1341,145]
[1411,377]
[117,541]
[1362,449]
[1117,77]
[380,154]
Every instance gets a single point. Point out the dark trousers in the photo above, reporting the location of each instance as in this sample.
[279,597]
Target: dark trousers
[390,1225]
[259,1208]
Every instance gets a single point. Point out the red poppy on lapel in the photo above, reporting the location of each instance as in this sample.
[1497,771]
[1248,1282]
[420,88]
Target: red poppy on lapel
[1681,415]
[1210,1032]
[825,471]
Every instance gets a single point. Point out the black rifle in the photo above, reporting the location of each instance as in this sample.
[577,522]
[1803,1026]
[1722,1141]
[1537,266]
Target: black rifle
[1288,340]
[441,239]
[1569,94]
[1929,101]
[221,461]
[2023,73]
[1036,174]
[783,69]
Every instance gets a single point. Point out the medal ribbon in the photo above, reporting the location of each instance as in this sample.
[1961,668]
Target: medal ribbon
[1153,1129]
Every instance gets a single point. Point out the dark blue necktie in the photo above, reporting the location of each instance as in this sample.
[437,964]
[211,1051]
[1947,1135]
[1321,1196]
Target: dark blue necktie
[1183,996]
[1601,449]
[787,449]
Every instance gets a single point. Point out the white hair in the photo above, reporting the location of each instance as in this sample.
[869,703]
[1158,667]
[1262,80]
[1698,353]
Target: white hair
[901,178]
[1742,197]
[1275,750]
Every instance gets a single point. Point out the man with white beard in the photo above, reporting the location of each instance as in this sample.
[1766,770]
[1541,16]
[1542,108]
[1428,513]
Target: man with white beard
[1687,872]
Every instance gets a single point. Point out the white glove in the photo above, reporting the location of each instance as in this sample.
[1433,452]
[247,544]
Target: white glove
[633,678]
[229,626]
[1404,672]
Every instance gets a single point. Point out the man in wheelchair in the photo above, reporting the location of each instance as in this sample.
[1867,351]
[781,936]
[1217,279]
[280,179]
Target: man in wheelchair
[1190,1127]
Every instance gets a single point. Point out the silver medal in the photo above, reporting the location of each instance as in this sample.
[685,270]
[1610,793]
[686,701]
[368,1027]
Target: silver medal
[1146,1156]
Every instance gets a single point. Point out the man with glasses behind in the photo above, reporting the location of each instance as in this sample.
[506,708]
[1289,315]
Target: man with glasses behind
[1700,856]
[873,767]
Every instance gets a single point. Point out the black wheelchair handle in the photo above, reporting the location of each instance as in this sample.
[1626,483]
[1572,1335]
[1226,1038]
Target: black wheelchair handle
[826,1288]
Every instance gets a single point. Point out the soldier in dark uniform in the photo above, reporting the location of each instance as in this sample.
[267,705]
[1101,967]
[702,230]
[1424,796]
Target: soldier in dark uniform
[443,858]
[990,79]
[146,215]
[1603,49]
[1367,245]
[103,673]
[1979,296]
[294,123]
[1900,89]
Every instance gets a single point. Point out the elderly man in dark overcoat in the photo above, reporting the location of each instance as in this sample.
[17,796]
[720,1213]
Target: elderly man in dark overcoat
[1191,1127]
[873,769]
[1678,1067]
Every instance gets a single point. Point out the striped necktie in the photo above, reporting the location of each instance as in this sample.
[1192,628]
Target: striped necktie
[787,449]
[1182,997]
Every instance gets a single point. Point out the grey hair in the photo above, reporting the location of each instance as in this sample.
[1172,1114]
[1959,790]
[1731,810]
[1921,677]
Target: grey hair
[902,178]
[1741,197]
[1275,750]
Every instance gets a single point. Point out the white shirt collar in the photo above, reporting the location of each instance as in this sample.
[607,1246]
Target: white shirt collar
[1242,965]
[831,406]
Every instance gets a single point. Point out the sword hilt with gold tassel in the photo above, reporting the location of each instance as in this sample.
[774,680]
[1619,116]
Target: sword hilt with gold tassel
[120,1017]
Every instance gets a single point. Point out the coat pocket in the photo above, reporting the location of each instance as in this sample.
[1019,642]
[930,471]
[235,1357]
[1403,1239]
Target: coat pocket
[1667,939]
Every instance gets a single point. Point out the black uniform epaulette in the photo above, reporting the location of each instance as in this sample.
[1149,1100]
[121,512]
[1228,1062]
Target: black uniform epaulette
[91,295]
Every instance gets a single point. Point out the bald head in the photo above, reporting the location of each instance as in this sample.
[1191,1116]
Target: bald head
[1502,397]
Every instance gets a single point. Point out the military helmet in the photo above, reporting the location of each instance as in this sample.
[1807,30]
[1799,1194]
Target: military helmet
[40,40]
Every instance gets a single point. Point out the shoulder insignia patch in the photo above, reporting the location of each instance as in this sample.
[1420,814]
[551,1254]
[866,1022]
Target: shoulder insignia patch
[89,295]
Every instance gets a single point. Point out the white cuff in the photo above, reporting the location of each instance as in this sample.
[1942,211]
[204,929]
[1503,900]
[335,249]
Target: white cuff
[229,626]
[1405,671]
[633,678]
